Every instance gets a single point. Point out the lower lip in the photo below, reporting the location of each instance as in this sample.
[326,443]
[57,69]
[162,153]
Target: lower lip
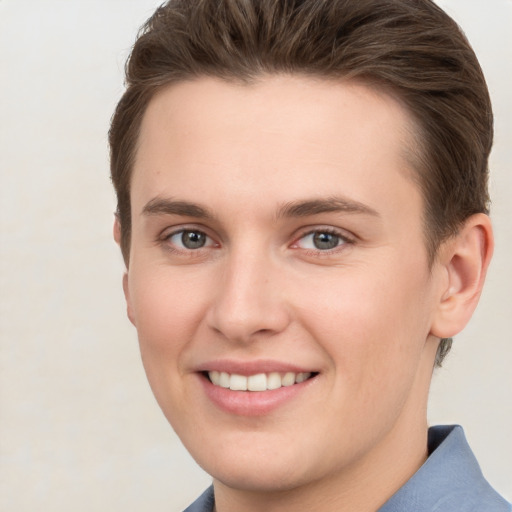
[252,403]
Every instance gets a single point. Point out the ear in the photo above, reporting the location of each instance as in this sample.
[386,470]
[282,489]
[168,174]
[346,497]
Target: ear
[126,287]
[129,308]
[464,260]
[117,230]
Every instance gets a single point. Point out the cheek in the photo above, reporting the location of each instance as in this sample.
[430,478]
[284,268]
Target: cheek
[371,324]
[167,311]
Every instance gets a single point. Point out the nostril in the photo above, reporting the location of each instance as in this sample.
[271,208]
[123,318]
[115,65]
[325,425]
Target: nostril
[264,332]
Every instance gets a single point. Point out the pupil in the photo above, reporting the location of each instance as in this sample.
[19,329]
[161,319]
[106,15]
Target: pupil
[325,240]
[193,239]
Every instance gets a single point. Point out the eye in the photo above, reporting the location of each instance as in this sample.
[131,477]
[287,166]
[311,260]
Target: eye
[321,240]
[190,239]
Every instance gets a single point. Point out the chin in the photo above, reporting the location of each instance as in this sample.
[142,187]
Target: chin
[266,479]
[261,469]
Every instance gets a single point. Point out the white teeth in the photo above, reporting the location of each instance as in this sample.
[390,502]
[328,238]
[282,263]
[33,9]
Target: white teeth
[274,381]
[288,379]
[238,383]
[257,382]
[301,377]
[215,377]
[224,380]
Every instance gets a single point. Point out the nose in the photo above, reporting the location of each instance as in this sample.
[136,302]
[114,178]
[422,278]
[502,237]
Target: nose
[249,302]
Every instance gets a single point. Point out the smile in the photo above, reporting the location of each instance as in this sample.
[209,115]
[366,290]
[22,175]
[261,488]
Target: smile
[257,382]
[255,388]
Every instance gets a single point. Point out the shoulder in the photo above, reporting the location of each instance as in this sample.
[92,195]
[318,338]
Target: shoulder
[449,480]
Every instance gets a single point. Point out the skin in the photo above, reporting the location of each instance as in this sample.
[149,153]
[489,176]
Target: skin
[366,315]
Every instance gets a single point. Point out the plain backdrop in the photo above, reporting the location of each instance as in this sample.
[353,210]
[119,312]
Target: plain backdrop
[79,427]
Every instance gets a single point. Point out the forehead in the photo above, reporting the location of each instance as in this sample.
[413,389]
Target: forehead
[282,134]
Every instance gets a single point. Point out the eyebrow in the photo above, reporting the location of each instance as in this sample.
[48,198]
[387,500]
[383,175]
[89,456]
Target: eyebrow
[166,206]
[302,208]
[327,205]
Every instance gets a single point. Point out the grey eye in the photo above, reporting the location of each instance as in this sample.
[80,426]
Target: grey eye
[190,239]
[193,239]
[321,241]
[325,241]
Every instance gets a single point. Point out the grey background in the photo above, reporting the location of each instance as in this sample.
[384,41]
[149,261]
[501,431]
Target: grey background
[79,428]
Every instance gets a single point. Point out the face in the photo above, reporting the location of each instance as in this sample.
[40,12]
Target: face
[279,279]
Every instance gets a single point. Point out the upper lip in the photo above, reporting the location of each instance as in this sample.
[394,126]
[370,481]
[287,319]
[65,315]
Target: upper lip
[251,367]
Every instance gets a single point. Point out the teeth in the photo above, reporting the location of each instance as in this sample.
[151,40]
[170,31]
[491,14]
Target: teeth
[274,380]
[224,379]
[288,379]
[238,382]
[257,382]
[301,377]
[215,377]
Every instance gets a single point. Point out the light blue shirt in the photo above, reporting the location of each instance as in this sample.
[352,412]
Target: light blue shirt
[449,481]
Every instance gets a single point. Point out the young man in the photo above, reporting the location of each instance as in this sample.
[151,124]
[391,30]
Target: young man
[302,208]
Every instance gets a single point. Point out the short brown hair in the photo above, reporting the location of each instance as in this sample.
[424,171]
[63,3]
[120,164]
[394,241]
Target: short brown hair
[408,47]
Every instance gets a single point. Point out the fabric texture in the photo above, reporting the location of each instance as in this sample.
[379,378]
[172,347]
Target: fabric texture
[204,503]
[450,480]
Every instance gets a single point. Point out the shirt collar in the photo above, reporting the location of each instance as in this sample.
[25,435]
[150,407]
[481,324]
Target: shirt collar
[450,479]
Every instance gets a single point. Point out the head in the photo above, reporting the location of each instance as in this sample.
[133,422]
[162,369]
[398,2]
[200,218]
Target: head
[412,50]
[301,195]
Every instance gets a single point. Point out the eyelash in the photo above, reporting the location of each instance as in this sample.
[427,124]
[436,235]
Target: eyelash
[165,240]
[343,241]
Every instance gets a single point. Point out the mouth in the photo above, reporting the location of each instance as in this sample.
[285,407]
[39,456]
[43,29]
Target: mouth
[248,390]
[257,382]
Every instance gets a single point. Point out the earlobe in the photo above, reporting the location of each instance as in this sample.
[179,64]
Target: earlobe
[464,260]
[126,289]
